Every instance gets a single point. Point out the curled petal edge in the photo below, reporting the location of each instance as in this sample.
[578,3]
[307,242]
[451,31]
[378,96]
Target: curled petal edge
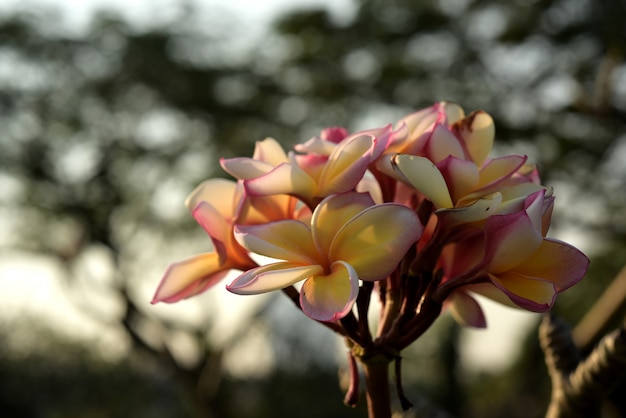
[190,277]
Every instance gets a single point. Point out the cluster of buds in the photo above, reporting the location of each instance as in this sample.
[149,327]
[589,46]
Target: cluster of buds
[416,213]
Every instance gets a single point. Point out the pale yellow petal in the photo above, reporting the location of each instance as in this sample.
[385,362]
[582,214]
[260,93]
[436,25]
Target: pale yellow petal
[333,213]
[443,144]
[374,241]
[283,179]
[422,174]
[189,277]
[284,240]
[330,297]
[454,112]
[477,132]
[272,277]
[244,168]
[219,193]
[480,210]
[269,151]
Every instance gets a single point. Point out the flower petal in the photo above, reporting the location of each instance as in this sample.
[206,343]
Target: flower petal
[332,214]
[499,170]
[513,197]
[334,134]
[189,277]
[531,294]
[466,310]
[346,165]
[212,221]
[477,211]
[283,179]
[374,241]
[264,209]
[463,257]
[422,174]
[477,131]
[244,168]
[330,297]
[491,291]
[222,194]
[418,122]
[443,144]
[453,111]
[461,176]
[557,262]
[285,240]
[272,277]
[509,241]
[370,185]
[316,145]
[269,151]
[534,207]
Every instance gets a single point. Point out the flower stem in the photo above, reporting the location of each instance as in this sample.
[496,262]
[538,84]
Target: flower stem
[376,371]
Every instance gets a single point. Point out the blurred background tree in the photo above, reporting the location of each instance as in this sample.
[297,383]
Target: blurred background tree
[103,134]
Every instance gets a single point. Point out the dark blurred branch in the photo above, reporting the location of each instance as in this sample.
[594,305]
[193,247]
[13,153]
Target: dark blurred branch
[580,387]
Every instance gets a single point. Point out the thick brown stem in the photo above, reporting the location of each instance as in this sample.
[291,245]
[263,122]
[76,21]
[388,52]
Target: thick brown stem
[377,387]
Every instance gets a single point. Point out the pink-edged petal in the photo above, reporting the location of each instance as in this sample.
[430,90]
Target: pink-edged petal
[221,233]
[557,262]
[443,144]
[466,310]
[513,197]
[334,134]
[458,259]
[534,207]
[374,241]
[477,211]
[491,291]
[370,185]
[330,297]
[269,151]
[244,168]
[264,209]
[272,277]
[509,241]
[500,169]
[546,217]
[521,190]
[461,176]
[220,193]
[311,164]
[381,138]
[346,165]
[418,122]
[385,165]
[283,179]
[332,214]
[531,294]
[316,145]
[212,222]
[423,175]
[189,277]
[477,132]
[284,240]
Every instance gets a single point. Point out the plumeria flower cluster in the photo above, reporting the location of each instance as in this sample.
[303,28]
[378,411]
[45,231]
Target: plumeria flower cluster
[417,214]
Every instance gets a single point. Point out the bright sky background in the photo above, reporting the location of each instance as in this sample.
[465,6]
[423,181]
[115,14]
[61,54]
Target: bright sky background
[29,285]
[77,13]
